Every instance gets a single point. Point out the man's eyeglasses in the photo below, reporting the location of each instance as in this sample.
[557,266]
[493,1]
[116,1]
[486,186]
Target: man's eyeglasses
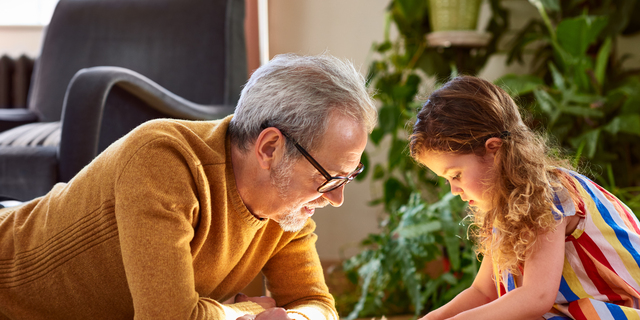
[332,183]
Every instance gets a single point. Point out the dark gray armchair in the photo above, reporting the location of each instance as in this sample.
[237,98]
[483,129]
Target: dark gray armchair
[106,66]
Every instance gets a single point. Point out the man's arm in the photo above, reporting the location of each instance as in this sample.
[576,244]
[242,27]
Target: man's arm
[296,281]
[156,202]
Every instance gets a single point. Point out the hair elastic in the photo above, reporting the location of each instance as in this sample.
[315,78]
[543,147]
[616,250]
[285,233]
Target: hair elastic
[505,134]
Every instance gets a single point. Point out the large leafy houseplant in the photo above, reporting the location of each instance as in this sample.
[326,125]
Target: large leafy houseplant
[422,225]
[579,91]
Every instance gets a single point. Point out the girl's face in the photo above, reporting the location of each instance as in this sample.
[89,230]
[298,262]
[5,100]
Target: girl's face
[467,174]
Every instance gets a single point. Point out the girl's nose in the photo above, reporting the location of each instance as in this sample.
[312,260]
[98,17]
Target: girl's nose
[456,190]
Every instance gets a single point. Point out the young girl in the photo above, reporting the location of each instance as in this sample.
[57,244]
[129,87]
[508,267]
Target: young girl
[555,245]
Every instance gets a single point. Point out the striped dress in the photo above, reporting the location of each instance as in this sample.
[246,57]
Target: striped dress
[601,274]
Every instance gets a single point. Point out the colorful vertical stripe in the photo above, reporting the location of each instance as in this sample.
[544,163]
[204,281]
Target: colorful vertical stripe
[601,273]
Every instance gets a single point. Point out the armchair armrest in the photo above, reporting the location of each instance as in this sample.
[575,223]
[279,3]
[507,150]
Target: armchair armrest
[11,118]
[84,106]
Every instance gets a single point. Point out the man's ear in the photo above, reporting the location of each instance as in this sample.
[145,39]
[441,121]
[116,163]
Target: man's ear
[492,145]
[268,146]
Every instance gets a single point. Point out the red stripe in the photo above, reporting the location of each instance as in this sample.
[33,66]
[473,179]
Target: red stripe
[591,269]
[576,311]
[503,291]
[588,243]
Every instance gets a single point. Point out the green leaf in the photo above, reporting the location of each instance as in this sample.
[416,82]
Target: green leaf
[558,79]
[576,34]
[367,272]
[397,153]
[551,5]
[602,60]
[378,172]
[383,47]
[627,124]
[376,135]
[419,229]
[365,161]
[388,119]
[449,278]
[590,140]
[433,63]
[517,85]
[582,111]
[395,193]
[405,92]
[546,102]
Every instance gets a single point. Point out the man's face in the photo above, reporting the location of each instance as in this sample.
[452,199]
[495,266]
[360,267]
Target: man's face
[297,181]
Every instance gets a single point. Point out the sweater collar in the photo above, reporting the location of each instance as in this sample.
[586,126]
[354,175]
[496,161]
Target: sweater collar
[232,190]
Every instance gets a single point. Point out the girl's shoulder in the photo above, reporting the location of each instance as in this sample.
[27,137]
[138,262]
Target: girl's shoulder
[567,199]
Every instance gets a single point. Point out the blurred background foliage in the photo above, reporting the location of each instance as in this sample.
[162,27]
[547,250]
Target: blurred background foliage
[577,91]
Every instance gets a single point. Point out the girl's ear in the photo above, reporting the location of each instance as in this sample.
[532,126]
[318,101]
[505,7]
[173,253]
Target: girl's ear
[493,145]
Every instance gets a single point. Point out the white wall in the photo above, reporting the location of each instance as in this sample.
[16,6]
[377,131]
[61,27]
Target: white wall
[346,29]
[18,40]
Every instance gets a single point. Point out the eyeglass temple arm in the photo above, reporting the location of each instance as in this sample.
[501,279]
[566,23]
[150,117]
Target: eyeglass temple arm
[313,161]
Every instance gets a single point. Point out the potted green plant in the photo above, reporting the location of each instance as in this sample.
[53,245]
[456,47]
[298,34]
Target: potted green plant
[421,227]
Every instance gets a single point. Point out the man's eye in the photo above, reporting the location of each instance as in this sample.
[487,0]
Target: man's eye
[456,177]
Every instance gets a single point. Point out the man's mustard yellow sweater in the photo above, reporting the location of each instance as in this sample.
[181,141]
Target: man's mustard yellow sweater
[153,228]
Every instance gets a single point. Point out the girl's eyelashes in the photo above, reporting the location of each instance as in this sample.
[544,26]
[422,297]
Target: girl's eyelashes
[456,177]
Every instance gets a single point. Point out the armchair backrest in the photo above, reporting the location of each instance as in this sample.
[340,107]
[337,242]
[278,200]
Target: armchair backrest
[193,48]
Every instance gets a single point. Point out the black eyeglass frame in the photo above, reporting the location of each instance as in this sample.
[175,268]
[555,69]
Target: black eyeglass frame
[324,172]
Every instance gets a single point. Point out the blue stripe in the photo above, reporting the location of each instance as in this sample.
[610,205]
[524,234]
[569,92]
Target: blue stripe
[558,205]
[616,311]
[558,318]
[510,284]
[566,291]
[622,235]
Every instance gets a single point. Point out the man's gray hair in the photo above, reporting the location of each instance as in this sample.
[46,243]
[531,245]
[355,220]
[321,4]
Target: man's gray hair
[296,94]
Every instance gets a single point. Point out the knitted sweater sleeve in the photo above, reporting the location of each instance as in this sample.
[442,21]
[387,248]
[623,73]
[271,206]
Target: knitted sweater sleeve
[295,279]
[156,211]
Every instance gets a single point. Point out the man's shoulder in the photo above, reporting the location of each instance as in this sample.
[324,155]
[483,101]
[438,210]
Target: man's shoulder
[176,129]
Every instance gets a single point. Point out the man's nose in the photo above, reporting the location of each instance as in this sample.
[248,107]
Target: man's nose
[335,196]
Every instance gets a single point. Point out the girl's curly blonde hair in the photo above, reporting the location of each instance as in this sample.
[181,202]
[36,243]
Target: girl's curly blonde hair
[459,118]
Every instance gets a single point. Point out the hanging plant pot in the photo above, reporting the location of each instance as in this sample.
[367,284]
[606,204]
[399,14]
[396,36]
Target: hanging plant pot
[454,23]
[447,15]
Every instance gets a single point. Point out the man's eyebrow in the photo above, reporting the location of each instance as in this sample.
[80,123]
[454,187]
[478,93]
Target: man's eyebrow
[342,173]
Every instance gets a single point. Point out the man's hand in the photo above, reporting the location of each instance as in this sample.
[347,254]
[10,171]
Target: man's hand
[265,302]
[269,314]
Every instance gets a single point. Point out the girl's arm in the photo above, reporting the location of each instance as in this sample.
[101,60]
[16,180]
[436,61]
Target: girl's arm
[482,291]
[542,274]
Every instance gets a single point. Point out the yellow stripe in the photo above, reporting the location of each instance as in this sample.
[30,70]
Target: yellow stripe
[496,278]
[572,280]
[630,313]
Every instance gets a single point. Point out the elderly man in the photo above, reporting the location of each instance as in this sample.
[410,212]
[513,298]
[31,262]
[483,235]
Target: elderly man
[178,216]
